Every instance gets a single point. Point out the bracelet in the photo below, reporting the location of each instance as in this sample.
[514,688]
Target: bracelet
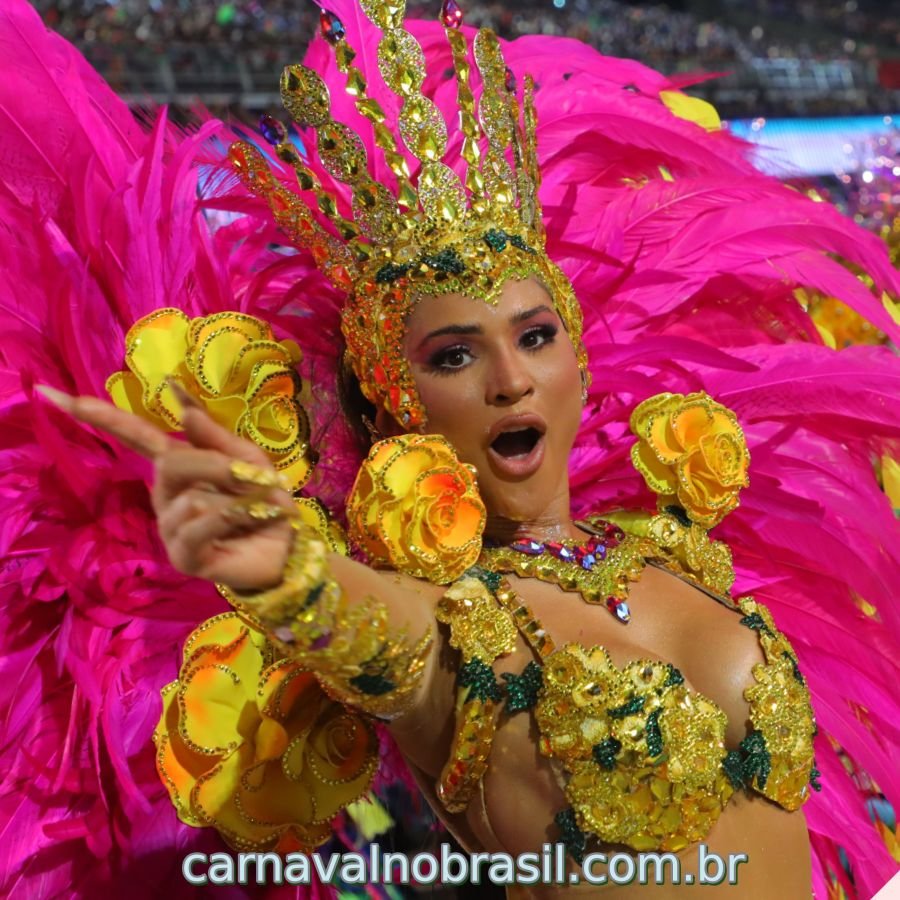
[281,608]
[352,648]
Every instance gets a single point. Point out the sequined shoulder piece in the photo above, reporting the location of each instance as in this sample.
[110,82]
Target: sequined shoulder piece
[784,724]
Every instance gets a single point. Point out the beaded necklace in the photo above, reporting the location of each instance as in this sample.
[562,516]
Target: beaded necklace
[599,569]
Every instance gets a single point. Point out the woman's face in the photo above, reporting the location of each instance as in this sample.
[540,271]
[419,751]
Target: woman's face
[501,383]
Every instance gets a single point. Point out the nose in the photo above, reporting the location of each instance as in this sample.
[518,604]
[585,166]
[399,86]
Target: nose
[509,378]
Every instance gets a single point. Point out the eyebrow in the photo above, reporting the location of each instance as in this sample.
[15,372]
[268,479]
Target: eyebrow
[515,319]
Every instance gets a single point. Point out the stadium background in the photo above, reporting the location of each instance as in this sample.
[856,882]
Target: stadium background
[815,83]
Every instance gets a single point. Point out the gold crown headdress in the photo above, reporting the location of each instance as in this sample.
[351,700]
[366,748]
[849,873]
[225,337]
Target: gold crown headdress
[445,234]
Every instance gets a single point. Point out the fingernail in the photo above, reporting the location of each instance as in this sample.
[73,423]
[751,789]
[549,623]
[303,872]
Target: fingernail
[57,398]
[181,395]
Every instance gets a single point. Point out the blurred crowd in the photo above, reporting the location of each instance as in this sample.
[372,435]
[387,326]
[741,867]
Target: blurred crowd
[656,34]
[181,48]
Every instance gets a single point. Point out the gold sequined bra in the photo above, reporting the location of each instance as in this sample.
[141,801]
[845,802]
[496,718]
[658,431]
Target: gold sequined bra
[644,755]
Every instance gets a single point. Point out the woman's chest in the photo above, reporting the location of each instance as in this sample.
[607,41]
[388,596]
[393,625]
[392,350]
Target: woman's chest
[676,637]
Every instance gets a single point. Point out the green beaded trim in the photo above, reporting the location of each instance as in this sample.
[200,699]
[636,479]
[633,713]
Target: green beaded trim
[373,685]
[815,774]
[653,734]
[679,514]
[756,622]
[481,681]
[674,677]
[571,835]
[606,751]
[795,669]
[390,272]
[522,690]
[497,239]
[314,594]
[447,261]
[751,759]
[634,705]
[491,580]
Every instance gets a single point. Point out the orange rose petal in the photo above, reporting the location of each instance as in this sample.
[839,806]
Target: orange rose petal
[436,483]
[256,360]
[381,452]
[251,328]
[127,392]
[660,478]
[226,411]
[292,695]
[271,740]
[279,800]
[157,345]
[400,474]
[214,799]
[296,469]
[213,706]
[214,360]
[690,423]
[267,380]
[664,441]
[469,522]
[221,638]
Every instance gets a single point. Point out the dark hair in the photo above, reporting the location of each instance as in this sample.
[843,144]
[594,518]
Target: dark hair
[354,404]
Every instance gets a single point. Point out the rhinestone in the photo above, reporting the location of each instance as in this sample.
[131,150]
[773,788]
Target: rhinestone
[272,130]
[619,608]
[451,14]
[331,27]
[532,548]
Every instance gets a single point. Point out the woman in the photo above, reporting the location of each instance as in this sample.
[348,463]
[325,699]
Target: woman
[515,366]
[670,242]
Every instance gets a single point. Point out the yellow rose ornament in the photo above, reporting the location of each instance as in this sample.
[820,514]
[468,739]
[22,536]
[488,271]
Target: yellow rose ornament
[415,507]
[251,745]
[691,451]
[233,365]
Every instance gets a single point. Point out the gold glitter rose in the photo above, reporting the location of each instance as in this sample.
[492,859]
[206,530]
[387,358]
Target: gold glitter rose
[252,745]
[415,507]
[232,364]
[691,450]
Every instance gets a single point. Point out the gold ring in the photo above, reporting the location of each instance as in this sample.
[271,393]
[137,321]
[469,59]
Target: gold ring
[245,513]
[247,473]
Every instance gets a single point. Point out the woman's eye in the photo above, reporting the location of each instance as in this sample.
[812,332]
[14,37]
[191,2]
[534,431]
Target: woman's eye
[450,359]
[537,337]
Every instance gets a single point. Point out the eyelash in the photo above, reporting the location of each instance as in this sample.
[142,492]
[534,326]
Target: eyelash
[438,361]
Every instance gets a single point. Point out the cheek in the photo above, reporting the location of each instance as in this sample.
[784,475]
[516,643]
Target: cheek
[450,406]
[562,381]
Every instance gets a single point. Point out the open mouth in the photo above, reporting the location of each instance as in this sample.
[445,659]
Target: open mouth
[517,443]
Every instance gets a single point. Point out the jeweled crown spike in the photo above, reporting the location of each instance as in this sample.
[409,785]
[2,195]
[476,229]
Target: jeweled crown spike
[451,14]
[463,225]
[331,27]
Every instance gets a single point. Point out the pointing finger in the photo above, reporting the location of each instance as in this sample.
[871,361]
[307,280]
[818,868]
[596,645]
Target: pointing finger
[131,430]
[207,434]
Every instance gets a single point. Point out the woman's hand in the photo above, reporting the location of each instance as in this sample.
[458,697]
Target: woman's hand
[216,523]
